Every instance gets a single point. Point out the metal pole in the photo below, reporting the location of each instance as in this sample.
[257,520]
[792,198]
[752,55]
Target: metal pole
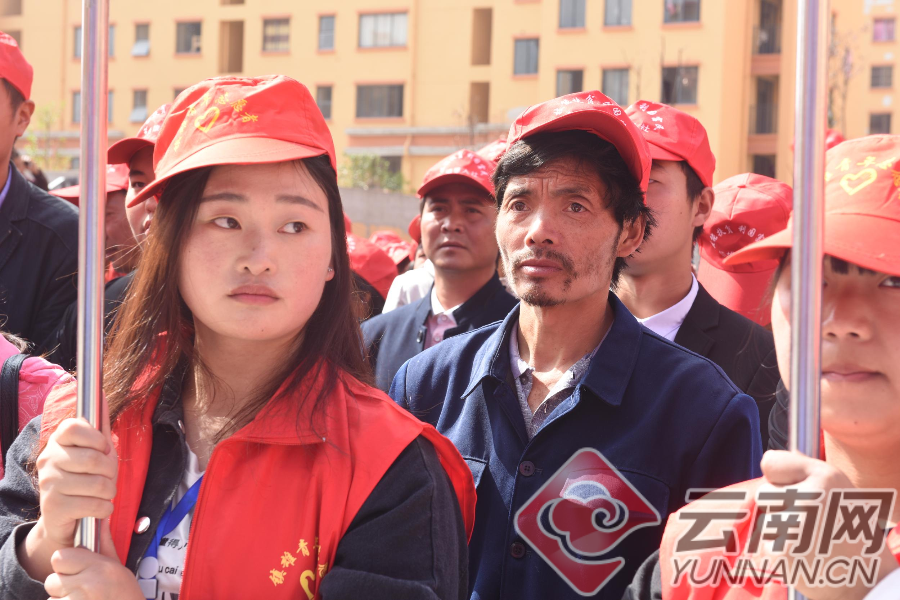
[91,226]
[808,232]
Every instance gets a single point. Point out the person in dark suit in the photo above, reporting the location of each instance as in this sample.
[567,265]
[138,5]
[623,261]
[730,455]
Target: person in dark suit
[658,285]
[38,233]
[457,226]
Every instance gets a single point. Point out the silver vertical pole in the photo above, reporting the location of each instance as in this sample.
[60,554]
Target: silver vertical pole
[808,233]
[92,242]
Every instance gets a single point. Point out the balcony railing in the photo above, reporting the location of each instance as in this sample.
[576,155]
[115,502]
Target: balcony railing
[764,118]
[767,39]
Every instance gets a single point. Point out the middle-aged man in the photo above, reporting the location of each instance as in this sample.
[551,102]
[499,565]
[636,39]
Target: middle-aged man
[659,287]
[457,227]
[38,233]
[583,430]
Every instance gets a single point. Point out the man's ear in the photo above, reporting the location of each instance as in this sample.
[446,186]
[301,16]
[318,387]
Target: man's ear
[23,117]
[703,206]
[631,237]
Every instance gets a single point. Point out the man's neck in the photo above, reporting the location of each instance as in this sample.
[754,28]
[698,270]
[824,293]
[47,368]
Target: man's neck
[555,338]
[455,287]
[649,293]
[868,467]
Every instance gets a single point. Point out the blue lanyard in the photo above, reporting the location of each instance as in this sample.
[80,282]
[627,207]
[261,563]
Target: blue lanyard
[169,521]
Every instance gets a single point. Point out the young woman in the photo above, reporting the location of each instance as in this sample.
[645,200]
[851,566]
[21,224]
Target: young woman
[860,388]
[244,456]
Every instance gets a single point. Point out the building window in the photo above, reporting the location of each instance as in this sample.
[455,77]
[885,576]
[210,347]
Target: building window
[880,123]
[526,57]
[326,32]
[764,164]
[615,85]
[323,99]
[382,31]
[11,8]
[141,40]
[571,14]
[482,24]
[682,11]
[883,76]
[111,41]
[276,35]
[178,91]
[139,107]
[76,107]
[679,85]
[76,50]
[883,30]
[16,35]
[569,82]
[187,38]
[618,12]
[109,106]
[374,101]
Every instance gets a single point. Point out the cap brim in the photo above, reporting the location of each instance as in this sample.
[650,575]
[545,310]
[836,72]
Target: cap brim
[744,293]
[864,240]
[122,151]
[73,192]
[658,153]
[449,178]
[239,151]
[609,128]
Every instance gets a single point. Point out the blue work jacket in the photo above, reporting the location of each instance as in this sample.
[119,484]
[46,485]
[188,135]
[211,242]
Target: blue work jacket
[574,511]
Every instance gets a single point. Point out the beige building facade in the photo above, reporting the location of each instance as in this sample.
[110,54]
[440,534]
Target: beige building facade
[414,80]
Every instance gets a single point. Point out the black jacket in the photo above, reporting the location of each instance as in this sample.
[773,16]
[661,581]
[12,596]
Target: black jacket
[743,349]
[395,337]
[408,539]
[67,333]
[38,262]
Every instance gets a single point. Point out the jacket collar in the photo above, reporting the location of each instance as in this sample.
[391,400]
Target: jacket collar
[467,311]
[15,205]
[702,317]
[607,376]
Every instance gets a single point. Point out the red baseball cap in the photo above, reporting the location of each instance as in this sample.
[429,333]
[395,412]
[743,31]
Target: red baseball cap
[493,151]
[13,66]
[123,150]
[463,166]
[674,135]
[748,208]
[415,229]
[116,181]
[241,121]
[371,263]
[393,245]
[862,208]
[593,112]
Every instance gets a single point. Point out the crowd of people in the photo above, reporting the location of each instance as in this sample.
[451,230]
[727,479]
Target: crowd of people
[528,400]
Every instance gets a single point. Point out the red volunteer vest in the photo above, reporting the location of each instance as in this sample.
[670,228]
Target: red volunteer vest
[274,502]
[749,590]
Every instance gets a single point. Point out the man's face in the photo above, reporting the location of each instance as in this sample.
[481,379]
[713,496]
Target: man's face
[140,174]
[676,217]
[119,239]
[558,235]
[13,122]
[458,227]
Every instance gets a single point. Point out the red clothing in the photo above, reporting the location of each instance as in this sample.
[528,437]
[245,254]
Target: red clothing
[37,377]
[675,528]
[276,497]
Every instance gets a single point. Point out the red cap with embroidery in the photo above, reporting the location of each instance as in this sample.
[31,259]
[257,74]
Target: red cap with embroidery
[674,135]
[371,263]
[238,120]
[862,208]
[415,229]
[116,181]
[463,166]
[13,66]
[393,245]
[123,150]
[592,112]
[748,208]
[493,151]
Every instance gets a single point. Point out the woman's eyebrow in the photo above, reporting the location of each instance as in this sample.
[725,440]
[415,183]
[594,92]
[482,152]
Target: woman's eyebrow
[282,198]
[294,199]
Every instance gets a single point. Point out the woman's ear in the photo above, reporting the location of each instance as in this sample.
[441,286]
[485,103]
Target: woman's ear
[329,275]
